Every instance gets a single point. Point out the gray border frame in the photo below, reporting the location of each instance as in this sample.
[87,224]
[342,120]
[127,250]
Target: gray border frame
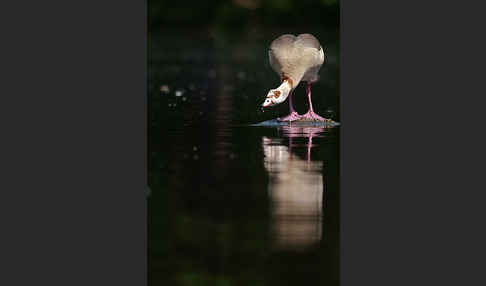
[74,143]
[409,193]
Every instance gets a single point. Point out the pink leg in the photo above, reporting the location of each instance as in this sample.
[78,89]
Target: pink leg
[309,146]
[293,114]
[310,115]
[290,147]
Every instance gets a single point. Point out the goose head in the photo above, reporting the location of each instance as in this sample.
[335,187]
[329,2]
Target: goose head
[274,97]
[277,95]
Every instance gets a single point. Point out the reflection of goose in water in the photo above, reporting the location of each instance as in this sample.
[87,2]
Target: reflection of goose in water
[295,189]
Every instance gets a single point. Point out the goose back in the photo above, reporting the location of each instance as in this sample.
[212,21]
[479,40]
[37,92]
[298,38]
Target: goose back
[299,58]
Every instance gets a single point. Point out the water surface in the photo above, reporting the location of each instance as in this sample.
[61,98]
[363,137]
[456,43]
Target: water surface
[233,204]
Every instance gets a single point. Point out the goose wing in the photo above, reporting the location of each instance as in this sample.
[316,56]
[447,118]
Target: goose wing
[280,53]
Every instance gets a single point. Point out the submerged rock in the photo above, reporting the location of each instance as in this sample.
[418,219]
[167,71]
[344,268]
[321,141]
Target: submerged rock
[298,123]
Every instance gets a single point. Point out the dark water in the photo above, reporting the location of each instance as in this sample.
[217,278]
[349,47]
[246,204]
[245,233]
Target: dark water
[232,204]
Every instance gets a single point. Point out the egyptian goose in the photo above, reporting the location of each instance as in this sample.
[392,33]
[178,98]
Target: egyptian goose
[295,59]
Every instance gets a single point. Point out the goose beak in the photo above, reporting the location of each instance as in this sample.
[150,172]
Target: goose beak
[265,104]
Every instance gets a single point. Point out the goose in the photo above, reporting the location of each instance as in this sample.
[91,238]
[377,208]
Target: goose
[294,59]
